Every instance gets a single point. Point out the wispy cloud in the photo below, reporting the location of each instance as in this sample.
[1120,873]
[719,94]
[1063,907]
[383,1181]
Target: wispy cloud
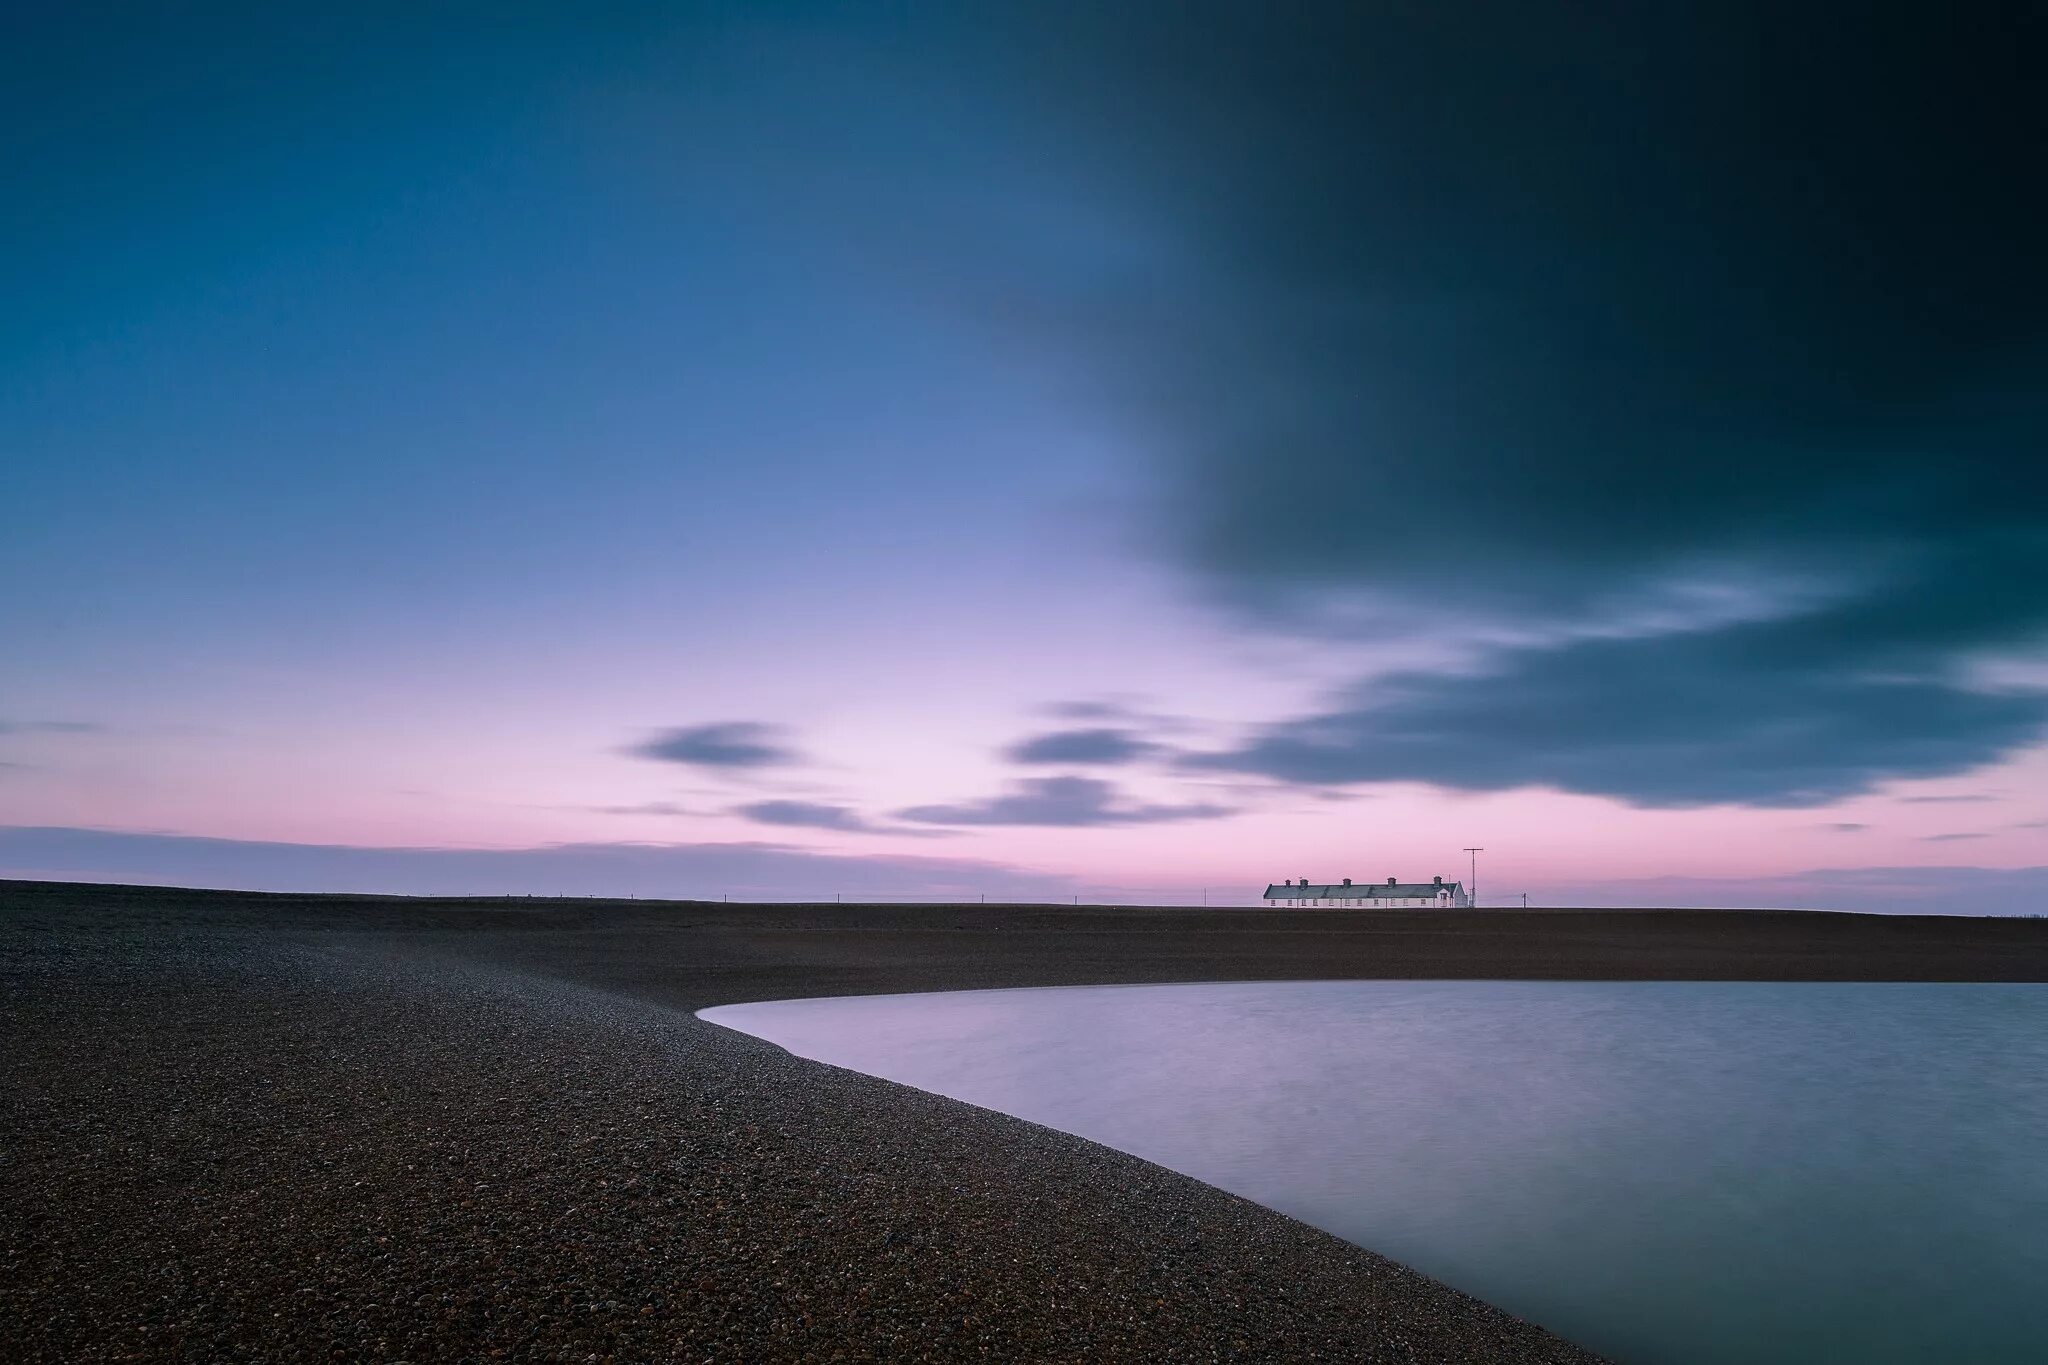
[806,815]
[1133,712]
[678,870]
[1097,708]
[1103,745]
[1843,826]
[1060,801]
[1952,838]
[733,744]
[643,808]
[1971,799]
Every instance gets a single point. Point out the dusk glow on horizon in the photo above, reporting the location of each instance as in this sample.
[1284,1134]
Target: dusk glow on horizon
[1120,453]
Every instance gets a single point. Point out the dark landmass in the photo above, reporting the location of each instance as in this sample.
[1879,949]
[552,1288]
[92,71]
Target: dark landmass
[241,1126]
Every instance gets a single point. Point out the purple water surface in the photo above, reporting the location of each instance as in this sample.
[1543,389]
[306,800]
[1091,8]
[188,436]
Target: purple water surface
[1666,1172]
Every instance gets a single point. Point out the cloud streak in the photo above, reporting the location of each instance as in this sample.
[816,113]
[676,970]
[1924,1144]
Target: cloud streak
[806,815]
[1073,802]
[643,808]
[1103,745]
[678,871]
[725,745]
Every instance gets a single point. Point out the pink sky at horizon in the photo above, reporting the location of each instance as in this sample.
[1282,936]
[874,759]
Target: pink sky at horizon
[420,792]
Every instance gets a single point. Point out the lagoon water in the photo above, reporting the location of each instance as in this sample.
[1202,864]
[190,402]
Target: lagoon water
[1662,1171]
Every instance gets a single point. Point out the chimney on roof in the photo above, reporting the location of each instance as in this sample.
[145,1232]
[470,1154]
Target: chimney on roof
[1304,881]
[1347,881]
[1391,881]
[1439,881]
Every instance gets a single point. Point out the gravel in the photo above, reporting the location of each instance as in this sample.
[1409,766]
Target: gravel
[274,1135]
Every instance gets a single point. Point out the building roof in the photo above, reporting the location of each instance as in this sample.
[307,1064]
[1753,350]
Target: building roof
[1362,891]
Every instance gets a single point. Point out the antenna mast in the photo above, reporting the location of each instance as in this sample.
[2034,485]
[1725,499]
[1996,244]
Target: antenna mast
[1475,852]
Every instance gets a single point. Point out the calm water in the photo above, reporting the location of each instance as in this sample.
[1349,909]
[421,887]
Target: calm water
[1684,1172]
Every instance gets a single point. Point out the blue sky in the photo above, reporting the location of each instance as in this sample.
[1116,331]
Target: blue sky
[1159,449]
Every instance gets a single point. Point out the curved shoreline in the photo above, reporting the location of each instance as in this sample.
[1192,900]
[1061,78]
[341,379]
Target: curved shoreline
[335,1128]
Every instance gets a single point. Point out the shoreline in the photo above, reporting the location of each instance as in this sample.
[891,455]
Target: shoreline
[356,1128]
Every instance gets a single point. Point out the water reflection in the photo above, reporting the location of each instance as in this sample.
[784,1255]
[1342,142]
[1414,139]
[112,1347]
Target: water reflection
[1684,1172]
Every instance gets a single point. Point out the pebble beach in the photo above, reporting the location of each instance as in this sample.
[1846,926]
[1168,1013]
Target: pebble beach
[296,1128]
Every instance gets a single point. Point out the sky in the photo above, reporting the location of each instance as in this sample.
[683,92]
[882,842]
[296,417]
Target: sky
[1035,451]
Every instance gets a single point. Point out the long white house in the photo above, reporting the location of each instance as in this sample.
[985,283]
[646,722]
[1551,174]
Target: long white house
[1390,894]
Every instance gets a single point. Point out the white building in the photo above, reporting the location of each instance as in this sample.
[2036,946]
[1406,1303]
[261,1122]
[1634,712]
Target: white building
[1390,894]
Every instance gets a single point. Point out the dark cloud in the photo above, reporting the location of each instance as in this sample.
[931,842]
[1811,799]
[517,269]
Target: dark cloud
[1104,745]
[1945,800]
[50,727]
[681,871]
[1951,838]
[805,815]
[1069,801]
[1844,826]
[1679,720]
[736,744]
[1524,327]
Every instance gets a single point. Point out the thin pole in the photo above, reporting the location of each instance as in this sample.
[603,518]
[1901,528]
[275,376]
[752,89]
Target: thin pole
[1475,852]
